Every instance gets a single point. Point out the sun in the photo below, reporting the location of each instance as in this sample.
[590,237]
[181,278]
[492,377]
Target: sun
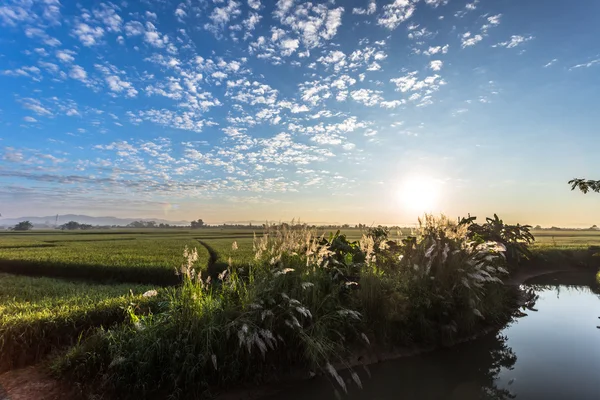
[419,194]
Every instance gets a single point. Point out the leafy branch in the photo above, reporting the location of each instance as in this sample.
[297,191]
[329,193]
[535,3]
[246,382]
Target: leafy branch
[585,185]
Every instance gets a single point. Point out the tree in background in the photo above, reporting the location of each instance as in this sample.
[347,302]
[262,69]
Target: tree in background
[585,185]
[197,224]
[73,225]
[23,226]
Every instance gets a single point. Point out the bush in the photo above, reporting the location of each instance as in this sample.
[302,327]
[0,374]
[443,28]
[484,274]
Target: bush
[304,303]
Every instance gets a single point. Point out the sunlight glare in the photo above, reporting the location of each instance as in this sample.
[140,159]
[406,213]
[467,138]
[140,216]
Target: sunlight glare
[419,194]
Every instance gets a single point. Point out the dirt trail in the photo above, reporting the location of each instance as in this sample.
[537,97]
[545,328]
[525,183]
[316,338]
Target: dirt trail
[31,383]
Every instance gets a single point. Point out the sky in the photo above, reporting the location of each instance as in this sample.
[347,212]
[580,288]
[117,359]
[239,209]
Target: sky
[340,111]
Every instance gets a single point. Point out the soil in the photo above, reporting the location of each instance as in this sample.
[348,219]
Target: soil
[32,383]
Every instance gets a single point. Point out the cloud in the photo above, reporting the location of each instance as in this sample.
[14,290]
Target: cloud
[367,97]
[134,28]
[514,41]
[254,4]
[396,13]
[43,36]
[29,119]
[551,62]
[88,35]
[36,106]
[390,104]
[492,21]
[77,72]
[436,49]
[153,37]
[115,84]
[107,14]
[221,16]
[470,40]
[65,56]
[313,24]
[586,65]
[372,7]
[436,65]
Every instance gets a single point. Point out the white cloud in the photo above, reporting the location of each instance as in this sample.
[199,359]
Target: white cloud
[514,41]
[390,104]
[396,13]
[551,62]
[88,35]
[221,16]
[436,65]
[288,46]
[312,23]
[368,11]
[66,56]
[367,97]
[436,3]
[116,84]
[254,4]
[134,28]
[77,72]
[36,106]
[492,21]
[153,37]
[470,40]
[436,49]
[108,15]
[29,119]
[586,65]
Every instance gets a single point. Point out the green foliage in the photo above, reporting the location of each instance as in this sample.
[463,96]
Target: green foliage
[515,238]
[23,226]
[585,185]
[304,302]
[38,315]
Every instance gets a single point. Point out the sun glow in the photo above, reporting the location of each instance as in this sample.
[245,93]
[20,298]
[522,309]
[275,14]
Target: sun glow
[419,194]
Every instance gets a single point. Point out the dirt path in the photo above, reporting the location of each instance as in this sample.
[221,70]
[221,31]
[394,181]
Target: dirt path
[31,383]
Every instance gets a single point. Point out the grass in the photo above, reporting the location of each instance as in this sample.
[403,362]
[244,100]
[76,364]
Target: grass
[38,315]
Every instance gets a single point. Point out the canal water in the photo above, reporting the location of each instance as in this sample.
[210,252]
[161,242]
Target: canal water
[551,353]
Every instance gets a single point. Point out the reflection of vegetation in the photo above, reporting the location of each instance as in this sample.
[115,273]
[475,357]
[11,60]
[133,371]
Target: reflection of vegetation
[490,362]
[576,280]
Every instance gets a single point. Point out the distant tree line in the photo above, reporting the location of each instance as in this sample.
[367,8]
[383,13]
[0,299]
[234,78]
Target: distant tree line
[74,225]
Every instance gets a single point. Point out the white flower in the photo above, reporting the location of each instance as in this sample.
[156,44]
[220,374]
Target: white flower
[150,293]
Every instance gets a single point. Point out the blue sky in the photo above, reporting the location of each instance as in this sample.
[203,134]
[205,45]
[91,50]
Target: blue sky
[353,111]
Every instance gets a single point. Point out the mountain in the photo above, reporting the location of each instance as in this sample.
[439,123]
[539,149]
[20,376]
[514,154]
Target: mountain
[84,219]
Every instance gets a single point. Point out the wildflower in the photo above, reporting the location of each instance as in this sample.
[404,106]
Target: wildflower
[306,285]
[234,246]
[150,293]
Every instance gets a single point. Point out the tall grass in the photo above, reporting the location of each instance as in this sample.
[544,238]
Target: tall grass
[305,302]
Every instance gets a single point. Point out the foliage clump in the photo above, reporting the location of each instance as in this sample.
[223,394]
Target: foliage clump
[305,302]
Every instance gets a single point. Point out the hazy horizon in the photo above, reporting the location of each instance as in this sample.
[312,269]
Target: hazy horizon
[349,111]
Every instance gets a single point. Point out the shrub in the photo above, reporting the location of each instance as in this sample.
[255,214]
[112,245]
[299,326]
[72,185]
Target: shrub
[515,238]
[305,302]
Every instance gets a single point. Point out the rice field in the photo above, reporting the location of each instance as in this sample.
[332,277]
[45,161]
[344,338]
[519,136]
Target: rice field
[39,314]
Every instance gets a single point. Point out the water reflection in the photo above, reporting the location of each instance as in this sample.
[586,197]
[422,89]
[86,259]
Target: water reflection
[552,353]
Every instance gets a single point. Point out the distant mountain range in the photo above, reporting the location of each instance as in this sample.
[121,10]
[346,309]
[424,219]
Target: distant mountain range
[84,219]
